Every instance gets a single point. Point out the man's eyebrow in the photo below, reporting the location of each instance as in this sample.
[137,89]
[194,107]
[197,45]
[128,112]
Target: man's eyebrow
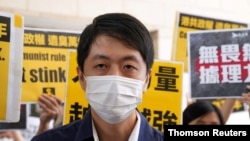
[100,56]
[130,57]
[126,58]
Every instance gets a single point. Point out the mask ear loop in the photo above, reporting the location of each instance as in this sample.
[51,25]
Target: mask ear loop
[146,86]
[84,76]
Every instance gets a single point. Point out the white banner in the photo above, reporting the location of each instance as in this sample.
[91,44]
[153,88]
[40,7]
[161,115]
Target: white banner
[11,53]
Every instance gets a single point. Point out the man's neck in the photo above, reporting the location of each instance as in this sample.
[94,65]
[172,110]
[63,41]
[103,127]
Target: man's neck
[114,132]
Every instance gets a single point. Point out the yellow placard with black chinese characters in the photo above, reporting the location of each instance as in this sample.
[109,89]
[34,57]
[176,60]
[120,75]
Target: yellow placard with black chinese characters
[44,62]
[188,22]
[238,105]
[161,103]
[76,104]
[11,49]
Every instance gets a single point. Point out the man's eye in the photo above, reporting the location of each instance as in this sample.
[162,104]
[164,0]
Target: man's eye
[100,66]
[129,67]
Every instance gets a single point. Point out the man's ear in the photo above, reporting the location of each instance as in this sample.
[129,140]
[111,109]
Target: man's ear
[81,78]
[147,81]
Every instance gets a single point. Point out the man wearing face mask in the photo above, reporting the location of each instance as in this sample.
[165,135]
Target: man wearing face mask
[115,55]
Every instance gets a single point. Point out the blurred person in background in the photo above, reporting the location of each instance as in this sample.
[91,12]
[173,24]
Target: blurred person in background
[11,135]
[202,113]
[246,98]
[205,113]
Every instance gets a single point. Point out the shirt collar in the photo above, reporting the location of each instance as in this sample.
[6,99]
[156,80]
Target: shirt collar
[135,133]
[133,136]
[96,138]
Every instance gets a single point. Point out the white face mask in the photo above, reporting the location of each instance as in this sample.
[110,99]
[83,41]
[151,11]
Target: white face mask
[6,139]
[113,97]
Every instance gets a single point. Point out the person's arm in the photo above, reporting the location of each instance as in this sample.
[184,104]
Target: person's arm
[227,108]
[51,107]
[246,98]
[17,135]
[189,100]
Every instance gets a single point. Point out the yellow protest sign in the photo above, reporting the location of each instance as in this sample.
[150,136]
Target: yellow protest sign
[188,22]
[161,103]
[11,49]
[76,104]
[44,62]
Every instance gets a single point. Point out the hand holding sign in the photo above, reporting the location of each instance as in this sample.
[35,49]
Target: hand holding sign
[51,109]
[246,98]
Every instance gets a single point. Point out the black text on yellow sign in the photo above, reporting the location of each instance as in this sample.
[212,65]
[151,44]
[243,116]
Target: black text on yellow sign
[238,106]
[4,63]
[40,73]
[11,45]
[44,75]
[4,34]
[51,39]
[4,29]
[162,102]
[44,62]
